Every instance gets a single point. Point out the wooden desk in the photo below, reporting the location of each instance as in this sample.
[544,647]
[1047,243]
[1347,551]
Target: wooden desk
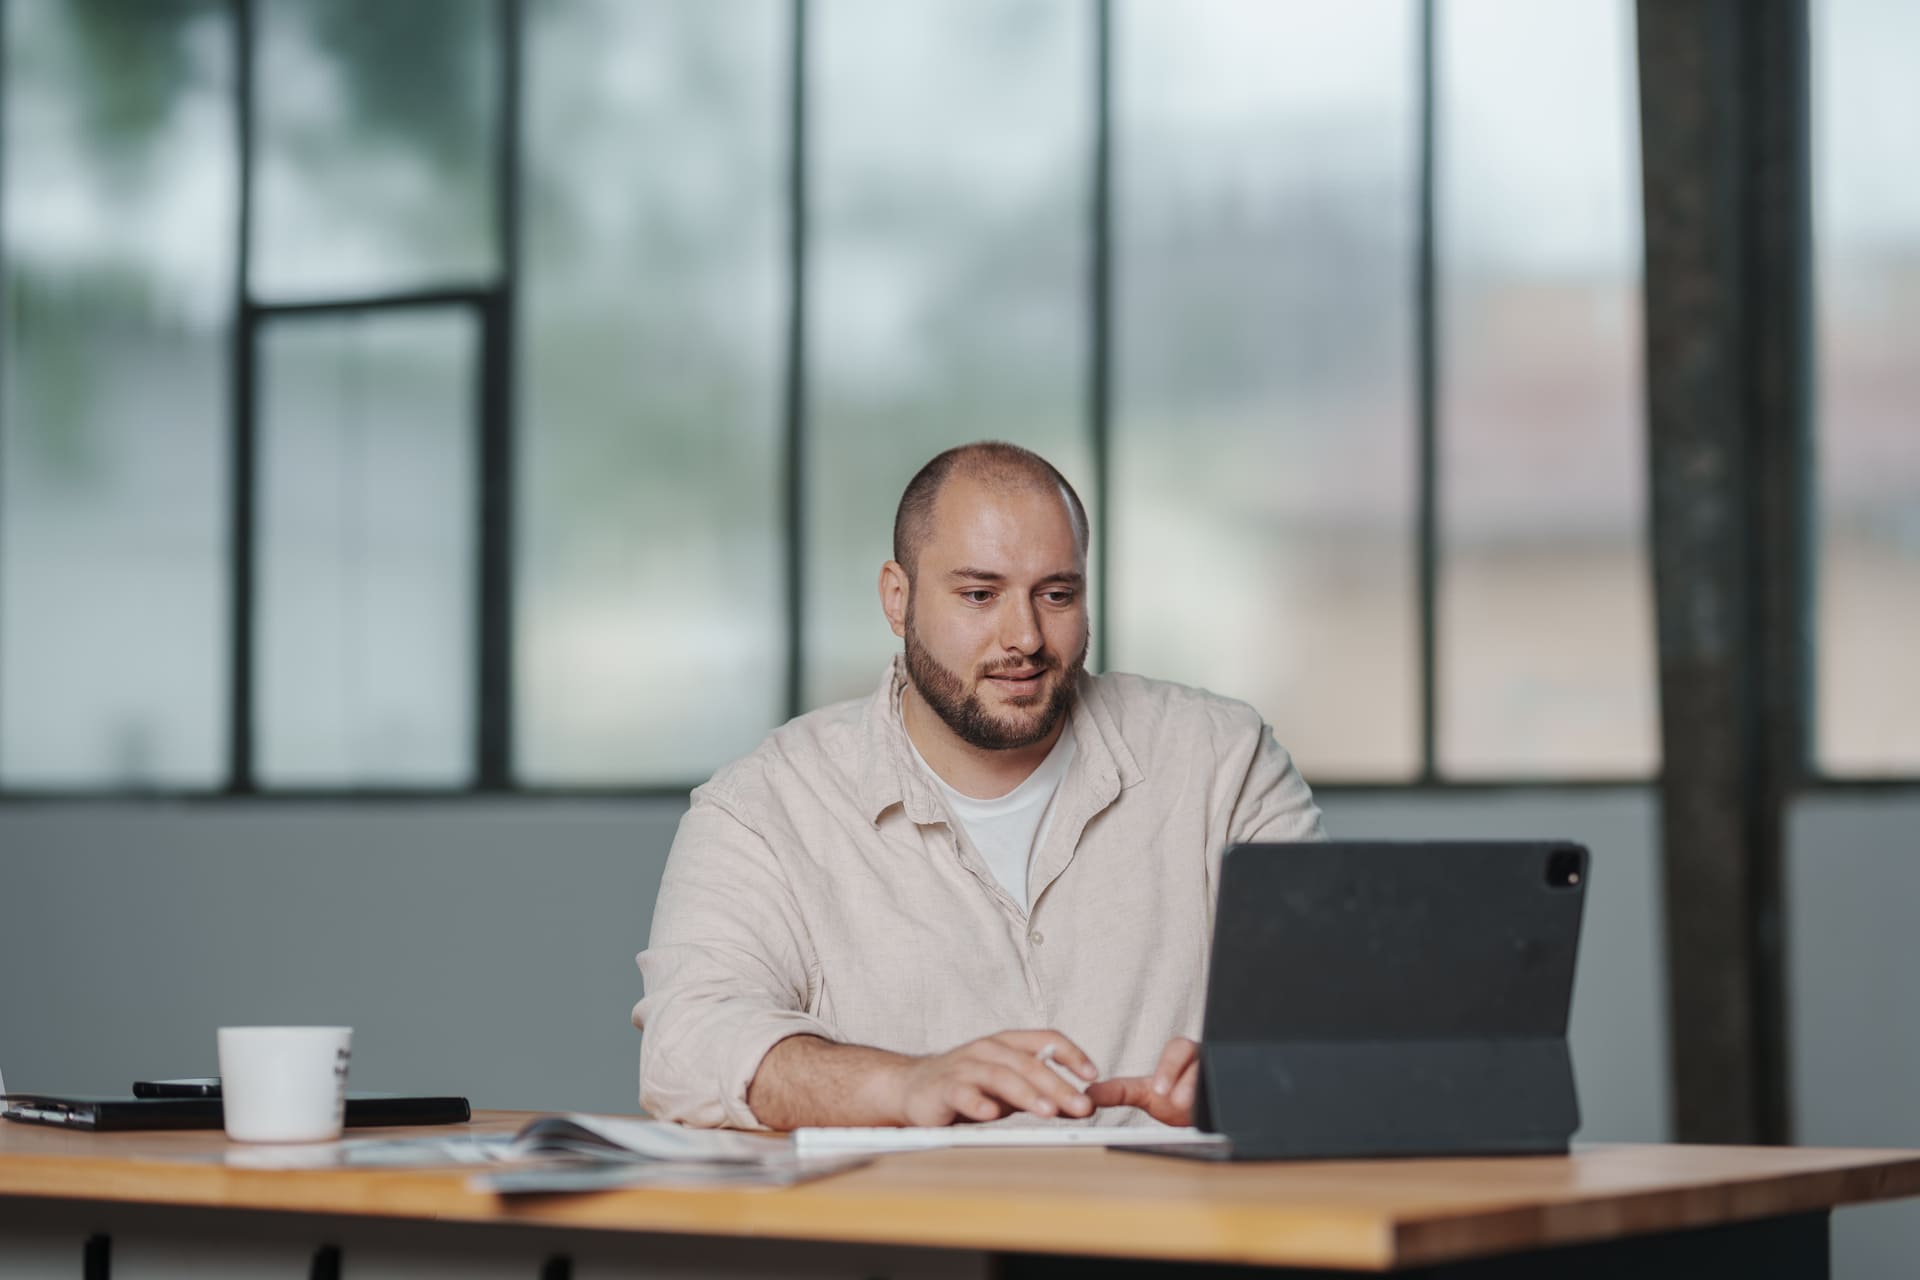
[1698,1210]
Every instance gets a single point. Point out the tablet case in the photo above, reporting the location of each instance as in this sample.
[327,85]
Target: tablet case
[1392,999]
[101,1115]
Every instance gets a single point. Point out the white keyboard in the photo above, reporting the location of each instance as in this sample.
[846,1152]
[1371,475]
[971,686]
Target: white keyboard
[820,1141]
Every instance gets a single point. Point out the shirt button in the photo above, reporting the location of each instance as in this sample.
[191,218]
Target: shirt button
[1036,937]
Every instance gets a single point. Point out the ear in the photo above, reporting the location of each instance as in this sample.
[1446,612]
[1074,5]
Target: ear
[893,595]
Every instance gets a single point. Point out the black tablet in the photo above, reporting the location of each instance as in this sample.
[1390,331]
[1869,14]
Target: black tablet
[1378,998]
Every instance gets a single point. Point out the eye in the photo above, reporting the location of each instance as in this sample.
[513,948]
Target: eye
[1061,597]
[977,595]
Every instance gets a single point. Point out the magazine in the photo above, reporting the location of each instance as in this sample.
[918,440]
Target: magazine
[572,1152]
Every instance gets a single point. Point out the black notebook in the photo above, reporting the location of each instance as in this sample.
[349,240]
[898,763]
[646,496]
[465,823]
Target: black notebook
[100,1115]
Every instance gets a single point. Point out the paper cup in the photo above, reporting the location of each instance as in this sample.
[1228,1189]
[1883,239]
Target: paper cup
[284,1084]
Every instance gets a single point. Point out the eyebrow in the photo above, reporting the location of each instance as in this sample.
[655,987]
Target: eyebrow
[1067,577]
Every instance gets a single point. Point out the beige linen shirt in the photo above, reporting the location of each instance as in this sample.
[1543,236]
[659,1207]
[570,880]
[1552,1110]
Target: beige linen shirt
[819,887]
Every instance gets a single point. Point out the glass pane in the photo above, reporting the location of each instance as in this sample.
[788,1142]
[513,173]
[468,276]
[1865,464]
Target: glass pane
[365,594]
[374,143]
[1263,438]
[1866,102]
[651,602]
[1545,644]
[952,144]
[118,229]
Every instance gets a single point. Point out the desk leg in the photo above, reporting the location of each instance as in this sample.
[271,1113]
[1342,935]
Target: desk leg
[1790,1248]
[47,1239]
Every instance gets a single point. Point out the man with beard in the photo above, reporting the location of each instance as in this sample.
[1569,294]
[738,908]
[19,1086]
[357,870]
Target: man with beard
[938,903]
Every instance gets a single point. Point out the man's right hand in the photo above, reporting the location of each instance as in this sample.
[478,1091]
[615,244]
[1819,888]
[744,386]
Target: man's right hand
[992,1077]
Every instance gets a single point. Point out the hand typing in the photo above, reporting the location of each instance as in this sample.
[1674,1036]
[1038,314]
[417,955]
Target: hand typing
[1166,1095]
[992,1077]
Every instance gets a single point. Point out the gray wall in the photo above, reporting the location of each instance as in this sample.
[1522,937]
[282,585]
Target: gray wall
[1618,1032]
[478,947]
[1853,897]
[486,947]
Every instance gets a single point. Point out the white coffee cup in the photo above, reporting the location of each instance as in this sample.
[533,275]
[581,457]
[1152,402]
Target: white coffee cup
[284,1084]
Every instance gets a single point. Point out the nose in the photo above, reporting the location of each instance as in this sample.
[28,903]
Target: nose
[1020,626]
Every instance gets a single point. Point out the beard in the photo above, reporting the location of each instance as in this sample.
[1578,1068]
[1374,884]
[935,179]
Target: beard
[961,710]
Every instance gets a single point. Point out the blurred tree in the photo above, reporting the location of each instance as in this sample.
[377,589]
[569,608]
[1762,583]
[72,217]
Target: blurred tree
[419,72]
[127,63]
[92,89]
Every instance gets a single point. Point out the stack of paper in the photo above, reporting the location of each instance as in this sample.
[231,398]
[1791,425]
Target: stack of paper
[575,1152]
[611,1151]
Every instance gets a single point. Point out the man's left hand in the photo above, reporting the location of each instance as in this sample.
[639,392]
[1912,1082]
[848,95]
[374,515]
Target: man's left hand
[1166,1095]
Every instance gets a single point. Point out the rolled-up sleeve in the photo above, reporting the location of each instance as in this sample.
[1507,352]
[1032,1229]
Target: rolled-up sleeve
[726,971]
[1275,802]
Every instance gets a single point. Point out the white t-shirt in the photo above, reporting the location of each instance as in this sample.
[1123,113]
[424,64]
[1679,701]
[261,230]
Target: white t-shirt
[1007,829]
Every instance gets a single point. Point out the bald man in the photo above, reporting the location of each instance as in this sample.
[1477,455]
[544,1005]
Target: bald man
[986,891]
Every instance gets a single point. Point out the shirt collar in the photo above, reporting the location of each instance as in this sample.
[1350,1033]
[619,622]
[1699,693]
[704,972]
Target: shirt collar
[889,776]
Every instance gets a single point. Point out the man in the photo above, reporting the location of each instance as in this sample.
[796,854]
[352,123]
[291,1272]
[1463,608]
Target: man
[937,903]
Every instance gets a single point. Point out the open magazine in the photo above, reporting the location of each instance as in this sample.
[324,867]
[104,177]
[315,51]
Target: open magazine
[573,1152]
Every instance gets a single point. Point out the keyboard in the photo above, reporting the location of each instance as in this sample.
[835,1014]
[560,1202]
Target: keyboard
[823,1140]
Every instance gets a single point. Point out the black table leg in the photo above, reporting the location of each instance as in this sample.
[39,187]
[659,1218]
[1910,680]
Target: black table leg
[1788,1248]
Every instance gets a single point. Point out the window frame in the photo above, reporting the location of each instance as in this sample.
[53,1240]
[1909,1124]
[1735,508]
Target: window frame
[494,302]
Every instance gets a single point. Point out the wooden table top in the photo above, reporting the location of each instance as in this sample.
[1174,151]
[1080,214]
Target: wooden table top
[1363,1215]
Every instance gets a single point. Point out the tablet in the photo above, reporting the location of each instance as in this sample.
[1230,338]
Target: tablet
[1391,998]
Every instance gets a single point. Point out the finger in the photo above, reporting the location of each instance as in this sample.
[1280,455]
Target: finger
[973,1103]
[1124,1091]
[1174,1059]
[1166,1112]
[1012,1087]
[1054,1045]
[1188,1086]
[1065,1051]
[933,1104]
[1176,1106]
[1061,1094]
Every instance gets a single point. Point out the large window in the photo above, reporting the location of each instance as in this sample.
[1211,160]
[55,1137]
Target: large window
[373,132]
[1545,641]
[949,189]
[535,415]
[649,631]
[1867,273]
[365,588]
[1265,435]
[117,239]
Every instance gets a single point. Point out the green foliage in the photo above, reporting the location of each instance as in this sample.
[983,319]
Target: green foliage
[417,70]
[68,332]
[132,59]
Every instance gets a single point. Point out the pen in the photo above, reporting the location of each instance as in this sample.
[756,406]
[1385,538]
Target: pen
[1047,1055]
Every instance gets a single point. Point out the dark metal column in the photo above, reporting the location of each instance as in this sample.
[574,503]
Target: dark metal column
[242,515]
[1100,325]
[495,514]
[794,441]
[1427,422]
[6,307]
[1723,102]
